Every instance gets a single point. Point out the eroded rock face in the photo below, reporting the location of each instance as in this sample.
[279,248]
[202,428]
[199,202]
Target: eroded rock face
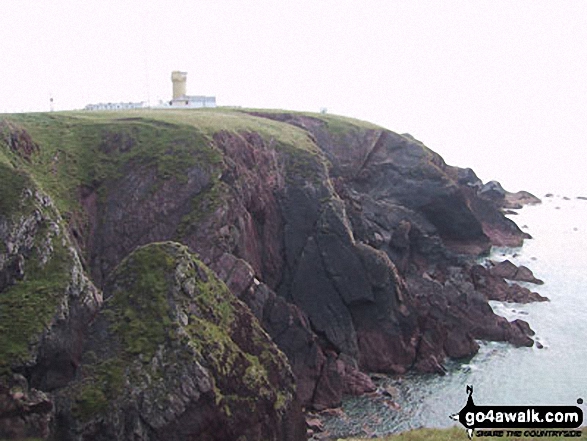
[402,201]
[349,244]
[174,355]
[46,302]
[336,242]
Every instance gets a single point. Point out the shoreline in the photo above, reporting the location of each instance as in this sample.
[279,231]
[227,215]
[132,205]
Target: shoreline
[542,315]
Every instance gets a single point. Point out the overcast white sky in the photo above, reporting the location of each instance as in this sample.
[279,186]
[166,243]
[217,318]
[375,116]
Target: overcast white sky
[500,86]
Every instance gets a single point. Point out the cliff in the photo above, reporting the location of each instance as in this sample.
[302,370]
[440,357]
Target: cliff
[207,273]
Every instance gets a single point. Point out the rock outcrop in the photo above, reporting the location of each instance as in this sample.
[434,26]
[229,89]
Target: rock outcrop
[346,249]
[174,355]
[46,302]
[508,270]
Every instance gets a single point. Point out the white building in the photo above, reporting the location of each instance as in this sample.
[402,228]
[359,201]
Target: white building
[193,102]
[116,106]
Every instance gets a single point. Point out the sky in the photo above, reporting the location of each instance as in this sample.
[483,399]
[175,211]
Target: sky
[498,86]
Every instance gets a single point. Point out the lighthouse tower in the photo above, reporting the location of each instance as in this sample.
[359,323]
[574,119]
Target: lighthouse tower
[179,84]
[180,97]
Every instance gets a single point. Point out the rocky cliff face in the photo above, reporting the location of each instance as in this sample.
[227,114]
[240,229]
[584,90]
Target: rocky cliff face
[46,302]
[174,355]
[350,245]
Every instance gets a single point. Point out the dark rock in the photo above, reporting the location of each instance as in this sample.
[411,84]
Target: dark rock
[492,190]
[505,269]
[236,273]
[24,413]
[525,274]
[466,176]
[494,287]
[290,329]
[314,424]
[315,293]
[508,270]
[355,382]
[329,388]
[520,332]
[519,199]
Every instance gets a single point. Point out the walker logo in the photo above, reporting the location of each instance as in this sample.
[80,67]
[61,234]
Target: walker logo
[498,419]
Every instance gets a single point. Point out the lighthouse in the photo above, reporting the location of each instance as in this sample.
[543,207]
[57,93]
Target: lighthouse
[180,98]
[179,80]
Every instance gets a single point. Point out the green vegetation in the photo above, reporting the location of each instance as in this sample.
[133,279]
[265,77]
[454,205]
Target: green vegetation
[12,184]
[214,299]
[28,306]
[203,205]
[456,434]
[96,148]
[341,126]
[99,389]
[138,309]
[334,123]
[92,149]
[139,318]
[150,290]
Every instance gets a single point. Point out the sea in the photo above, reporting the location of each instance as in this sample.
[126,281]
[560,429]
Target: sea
[501,374]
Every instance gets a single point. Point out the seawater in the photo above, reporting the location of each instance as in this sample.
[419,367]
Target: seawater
[500,373]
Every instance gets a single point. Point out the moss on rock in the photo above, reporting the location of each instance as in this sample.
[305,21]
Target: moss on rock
[138,303]
[172,340]
[27,307]
[36,267]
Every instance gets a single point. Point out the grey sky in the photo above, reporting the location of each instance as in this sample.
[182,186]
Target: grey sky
[496,85]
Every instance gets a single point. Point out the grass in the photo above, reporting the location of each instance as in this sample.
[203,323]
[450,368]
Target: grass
[210,122]
[12,184]
[334,123]
[80,148]
[459,434]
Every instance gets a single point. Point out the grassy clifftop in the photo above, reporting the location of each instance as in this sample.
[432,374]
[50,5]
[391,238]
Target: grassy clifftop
[65,150]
